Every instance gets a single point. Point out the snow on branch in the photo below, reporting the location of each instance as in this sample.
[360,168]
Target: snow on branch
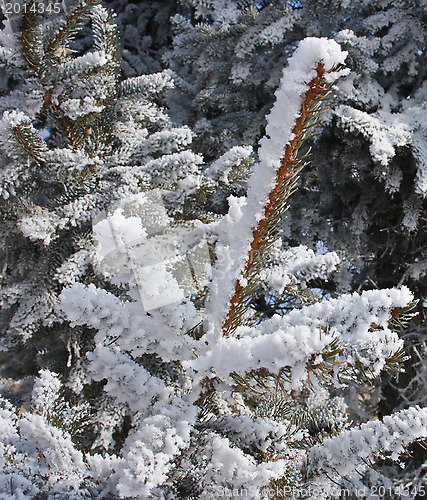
[385,132]
[152,85]
[126,325]
[306,81]
[346,454]
[17,126]
[297,266]
[34,453]
[354,326]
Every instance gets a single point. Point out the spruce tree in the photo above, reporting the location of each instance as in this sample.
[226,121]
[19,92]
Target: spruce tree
[121,272]
[362,195]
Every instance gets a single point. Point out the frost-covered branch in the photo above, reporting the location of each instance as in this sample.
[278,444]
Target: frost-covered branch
[359,324]
[346,455]
[305,82]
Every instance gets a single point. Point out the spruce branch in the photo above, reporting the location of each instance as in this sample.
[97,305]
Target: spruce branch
[400,316]
[266,232]
[29,139]
[71,26]
[339,456]
[93,130]
[32,39]
[324,365]
[106,37]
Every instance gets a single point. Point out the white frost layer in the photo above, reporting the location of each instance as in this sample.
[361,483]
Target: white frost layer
[221,168]
[341,454]
[45,391]
[151,447]
[385,131]
[286,346]
[232,251]
[293,340]
[232,474]
[126,325]
[35,455]
[298,264]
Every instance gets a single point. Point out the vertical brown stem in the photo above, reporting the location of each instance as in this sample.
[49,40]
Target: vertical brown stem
[314,90]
